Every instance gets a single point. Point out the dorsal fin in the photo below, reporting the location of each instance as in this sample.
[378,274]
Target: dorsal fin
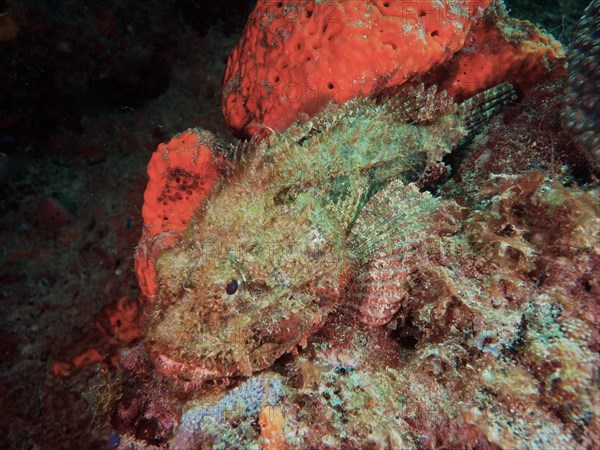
[235,153]
[419,105]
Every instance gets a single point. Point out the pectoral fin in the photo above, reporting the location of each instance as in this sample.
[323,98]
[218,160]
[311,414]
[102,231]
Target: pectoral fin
[383,242]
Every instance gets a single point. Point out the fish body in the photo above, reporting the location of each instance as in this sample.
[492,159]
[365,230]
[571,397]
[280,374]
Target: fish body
[272,251]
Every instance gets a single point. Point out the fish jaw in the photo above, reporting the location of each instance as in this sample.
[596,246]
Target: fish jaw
[187,372]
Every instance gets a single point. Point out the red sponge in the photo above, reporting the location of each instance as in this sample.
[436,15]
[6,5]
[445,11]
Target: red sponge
[181,174]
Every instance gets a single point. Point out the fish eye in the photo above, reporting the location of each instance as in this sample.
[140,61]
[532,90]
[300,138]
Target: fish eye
[232,287]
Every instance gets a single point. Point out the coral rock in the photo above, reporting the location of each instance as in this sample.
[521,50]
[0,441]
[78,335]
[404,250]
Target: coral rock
[52,214]
[234,414]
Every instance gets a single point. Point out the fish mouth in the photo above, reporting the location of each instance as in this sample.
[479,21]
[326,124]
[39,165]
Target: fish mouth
[253,349]
[195,372]
[187,372]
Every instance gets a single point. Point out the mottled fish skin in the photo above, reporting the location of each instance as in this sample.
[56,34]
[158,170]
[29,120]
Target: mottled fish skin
[280,226]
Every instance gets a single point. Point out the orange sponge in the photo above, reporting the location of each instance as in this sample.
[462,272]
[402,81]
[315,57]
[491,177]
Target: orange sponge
[118,326]
[181,173]
[295,56]
[271,422]
[498,49]
[149,248]
[121,321]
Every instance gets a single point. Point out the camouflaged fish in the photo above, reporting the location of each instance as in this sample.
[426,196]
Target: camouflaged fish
[272,251]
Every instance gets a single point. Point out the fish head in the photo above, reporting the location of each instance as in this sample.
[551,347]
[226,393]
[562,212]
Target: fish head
[251,280]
